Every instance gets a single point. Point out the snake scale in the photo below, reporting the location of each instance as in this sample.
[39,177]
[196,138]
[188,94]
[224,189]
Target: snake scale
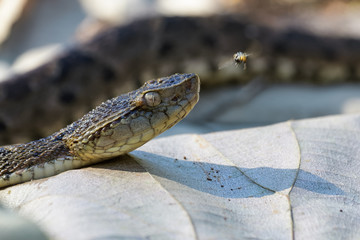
[117,126]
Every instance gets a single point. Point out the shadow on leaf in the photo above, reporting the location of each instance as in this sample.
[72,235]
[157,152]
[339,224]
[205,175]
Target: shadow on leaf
[230,181]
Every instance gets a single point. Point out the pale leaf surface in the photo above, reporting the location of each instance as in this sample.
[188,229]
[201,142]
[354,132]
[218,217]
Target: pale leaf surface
[293,179]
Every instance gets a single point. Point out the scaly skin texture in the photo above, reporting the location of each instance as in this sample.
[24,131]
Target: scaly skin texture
[39,102]
[117,126]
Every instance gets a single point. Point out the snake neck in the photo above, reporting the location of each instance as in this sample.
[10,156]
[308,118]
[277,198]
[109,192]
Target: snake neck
[40,158]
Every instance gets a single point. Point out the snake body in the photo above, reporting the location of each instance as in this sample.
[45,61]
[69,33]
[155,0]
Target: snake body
[117,126]
[121,58]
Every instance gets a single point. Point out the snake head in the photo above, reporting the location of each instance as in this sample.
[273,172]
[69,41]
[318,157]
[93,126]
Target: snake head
[122,124]
[168,100]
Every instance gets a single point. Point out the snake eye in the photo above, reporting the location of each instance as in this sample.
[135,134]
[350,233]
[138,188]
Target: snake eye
[152,99]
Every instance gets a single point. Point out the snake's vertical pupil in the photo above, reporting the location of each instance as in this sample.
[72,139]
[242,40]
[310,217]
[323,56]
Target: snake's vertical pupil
[152,99]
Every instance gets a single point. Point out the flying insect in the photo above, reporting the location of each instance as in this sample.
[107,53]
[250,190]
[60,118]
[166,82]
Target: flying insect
[238,58]
[241,57]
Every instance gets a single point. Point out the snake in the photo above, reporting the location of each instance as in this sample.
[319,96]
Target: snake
[36,103]
[115,127]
